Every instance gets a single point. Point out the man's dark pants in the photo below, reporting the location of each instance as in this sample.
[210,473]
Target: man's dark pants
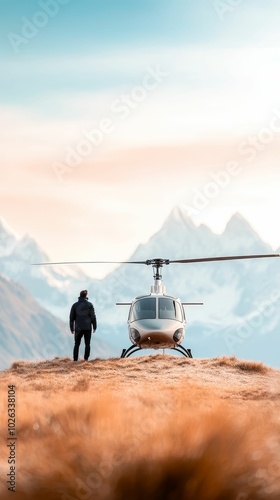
[78,337]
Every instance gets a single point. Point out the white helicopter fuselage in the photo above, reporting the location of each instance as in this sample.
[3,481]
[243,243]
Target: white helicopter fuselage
[156,321]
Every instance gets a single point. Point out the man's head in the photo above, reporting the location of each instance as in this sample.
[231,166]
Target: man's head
[84,294]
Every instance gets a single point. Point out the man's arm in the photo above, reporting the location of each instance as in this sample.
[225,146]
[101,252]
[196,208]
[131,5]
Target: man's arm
[93,318]
[72,318]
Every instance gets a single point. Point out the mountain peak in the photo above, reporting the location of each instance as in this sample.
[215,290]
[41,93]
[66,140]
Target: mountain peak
[180,214]
[6,228]
[27,248]
[238,224]
[240,235]
[8,238]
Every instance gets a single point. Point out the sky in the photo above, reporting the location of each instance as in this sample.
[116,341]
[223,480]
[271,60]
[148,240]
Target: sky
[112,113]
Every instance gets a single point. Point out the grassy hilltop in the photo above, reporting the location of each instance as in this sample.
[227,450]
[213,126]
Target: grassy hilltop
[153,428]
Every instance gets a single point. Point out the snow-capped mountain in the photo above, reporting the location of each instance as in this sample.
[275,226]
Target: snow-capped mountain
[235,293]
[8,238]
[52,286]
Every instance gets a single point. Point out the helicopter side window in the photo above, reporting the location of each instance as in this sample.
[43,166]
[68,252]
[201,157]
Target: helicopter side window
[144,309]
[169,309]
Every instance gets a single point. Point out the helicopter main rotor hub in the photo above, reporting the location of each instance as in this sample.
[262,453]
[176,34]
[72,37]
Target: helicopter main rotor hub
[157,264]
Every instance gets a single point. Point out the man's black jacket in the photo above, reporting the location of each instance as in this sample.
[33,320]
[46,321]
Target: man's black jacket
[82,316]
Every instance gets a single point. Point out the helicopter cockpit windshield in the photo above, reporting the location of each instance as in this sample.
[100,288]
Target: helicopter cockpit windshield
[146,308]
[169,309]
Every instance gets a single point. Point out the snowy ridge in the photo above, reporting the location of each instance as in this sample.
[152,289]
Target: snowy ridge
[8,238]
[51,286]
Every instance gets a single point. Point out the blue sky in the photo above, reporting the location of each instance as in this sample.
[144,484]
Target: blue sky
[107,28]
[220,88]
[74,51]
[107,23]
[93,29]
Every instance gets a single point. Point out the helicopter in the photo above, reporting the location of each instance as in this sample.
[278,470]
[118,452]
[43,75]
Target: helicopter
[157,320]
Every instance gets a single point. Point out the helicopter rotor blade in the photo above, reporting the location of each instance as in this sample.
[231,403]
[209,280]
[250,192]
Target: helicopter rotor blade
[232,257]
[161,261]
[88,262]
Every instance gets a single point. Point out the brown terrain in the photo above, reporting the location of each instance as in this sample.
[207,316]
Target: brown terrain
[157,427]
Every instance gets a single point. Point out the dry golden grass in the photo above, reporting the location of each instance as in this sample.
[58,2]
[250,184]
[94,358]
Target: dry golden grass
[154,427]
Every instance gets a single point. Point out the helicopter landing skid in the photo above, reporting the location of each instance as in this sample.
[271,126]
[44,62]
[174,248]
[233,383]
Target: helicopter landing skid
[179,348]
[127,352]
[183,350]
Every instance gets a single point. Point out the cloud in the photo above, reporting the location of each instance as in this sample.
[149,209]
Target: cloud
[207,89]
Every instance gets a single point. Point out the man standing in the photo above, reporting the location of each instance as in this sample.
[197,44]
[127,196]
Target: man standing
[82,320]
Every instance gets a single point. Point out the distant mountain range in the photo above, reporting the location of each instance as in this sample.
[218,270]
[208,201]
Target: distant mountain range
[241,313]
